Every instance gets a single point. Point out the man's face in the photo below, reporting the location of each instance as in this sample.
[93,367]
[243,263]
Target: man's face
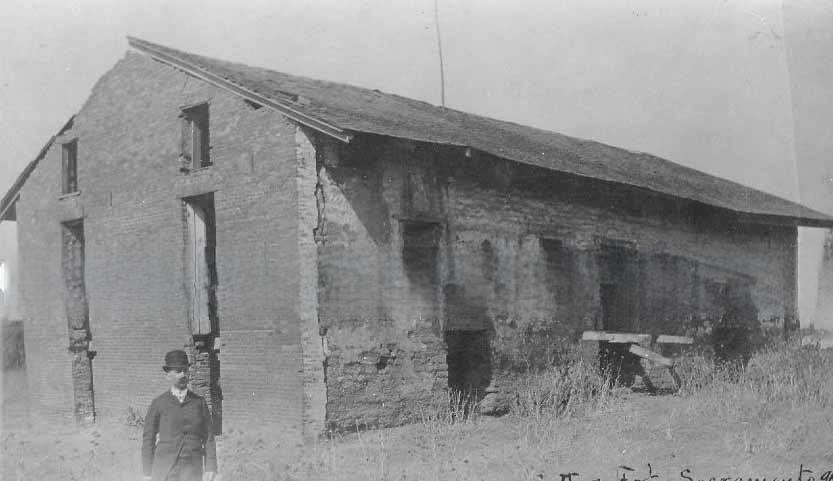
[178,377]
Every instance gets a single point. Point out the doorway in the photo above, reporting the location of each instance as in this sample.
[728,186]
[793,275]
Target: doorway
[619,287]
[469,360]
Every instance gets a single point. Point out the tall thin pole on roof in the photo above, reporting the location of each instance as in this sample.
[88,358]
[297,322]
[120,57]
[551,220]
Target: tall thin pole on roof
[440,50]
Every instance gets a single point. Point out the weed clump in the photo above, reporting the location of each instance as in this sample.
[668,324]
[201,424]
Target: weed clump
[134,417]
[562,391]
[792,374]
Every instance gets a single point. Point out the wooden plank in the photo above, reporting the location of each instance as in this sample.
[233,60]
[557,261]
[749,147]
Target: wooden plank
[628,338]
[666,339]
[594,336]
[651,356]
[616,337]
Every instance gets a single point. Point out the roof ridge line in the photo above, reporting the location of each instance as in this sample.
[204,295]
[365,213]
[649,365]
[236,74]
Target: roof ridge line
[217,80]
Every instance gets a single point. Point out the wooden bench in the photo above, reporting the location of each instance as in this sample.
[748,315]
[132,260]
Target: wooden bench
[640,346]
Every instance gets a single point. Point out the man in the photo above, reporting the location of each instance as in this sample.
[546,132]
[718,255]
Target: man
[182,422]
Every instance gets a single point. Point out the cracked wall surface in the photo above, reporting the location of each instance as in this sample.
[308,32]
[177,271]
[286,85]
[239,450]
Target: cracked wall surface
[521,255]
[311,204]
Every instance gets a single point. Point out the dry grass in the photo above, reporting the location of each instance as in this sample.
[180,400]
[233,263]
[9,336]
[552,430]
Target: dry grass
[761,420]
[563,391]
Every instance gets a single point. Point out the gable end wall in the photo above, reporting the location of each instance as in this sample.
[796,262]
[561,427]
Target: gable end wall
[130,200]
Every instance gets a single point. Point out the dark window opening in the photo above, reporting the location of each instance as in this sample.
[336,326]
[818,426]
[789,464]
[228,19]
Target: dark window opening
[489,260]
[69,167]
[619,287]
[553,250]
[420,257]
[607,299]
[195,146]
[558,269]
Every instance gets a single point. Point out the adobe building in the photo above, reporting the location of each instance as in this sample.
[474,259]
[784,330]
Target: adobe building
[334,256]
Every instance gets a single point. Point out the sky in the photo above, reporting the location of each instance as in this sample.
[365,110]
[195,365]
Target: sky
[725,86]
[696,82]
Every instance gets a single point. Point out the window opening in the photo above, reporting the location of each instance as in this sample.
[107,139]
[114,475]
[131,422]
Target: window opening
[195,146]
[69,167]
[420,257]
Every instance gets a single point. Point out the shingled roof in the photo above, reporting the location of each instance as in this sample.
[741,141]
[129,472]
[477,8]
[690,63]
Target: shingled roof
[341,110]
[346,109]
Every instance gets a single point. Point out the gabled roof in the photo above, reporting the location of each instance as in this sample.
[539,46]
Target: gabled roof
[7,204]
[345,109]
[341,110]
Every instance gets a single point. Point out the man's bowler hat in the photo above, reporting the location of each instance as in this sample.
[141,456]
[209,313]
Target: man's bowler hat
[176,359]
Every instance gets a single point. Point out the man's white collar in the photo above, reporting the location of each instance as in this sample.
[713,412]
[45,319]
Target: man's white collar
[179,393]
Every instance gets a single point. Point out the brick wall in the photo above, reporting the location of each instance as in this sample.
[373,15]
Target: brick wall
[519,255]
[131,191]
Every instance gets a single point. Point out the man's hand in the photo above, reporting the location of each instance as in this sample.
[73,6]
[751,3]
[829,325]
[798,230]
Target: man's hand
[208,476]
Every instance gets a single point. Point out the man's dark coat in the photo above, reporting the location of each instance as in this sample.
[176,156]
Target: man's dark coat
[184,431]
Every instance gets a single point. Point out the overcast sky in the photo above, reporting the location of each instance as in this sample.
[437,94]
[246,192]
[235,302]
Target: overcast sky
[704,83]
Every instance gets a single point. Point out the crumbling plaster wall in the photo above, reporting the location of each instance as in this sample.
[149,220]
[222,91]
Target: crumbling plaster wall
[518,255]
[384,355]
[682,249]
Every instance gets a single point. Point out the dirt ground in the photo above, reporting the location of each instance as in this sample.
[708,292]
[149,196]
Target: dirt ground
[711,437]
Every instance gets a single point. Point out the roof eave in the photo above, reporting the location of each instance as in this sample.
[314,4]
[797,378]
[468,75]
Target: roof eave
[290,111]
[818,222]
[7,209]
